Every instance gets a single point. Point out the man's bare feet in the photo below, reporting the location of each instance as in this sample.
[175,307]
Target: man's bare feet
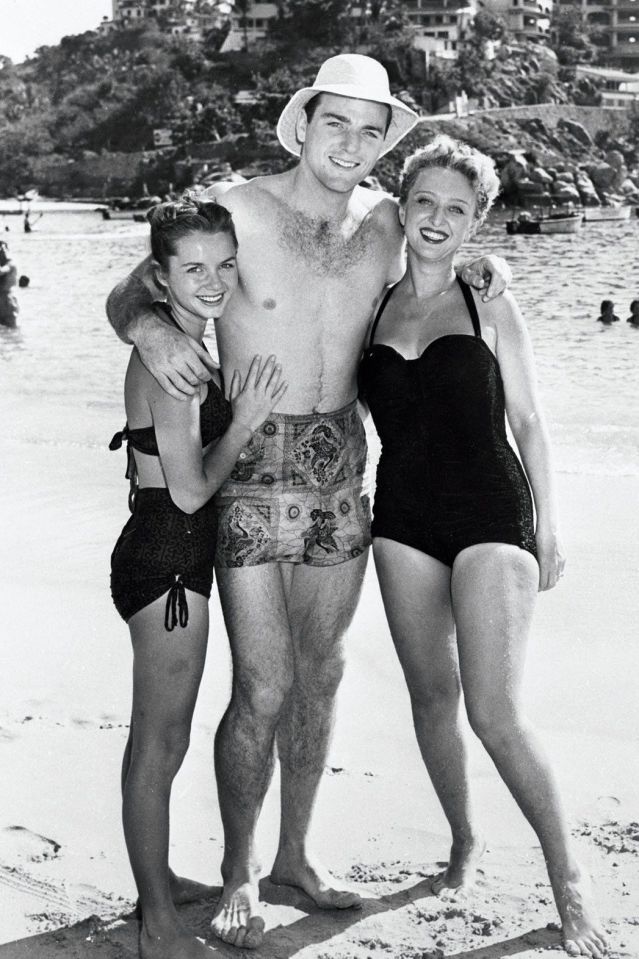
[316,882]
[174,943]
[581,930]
[461,873]
[236,918]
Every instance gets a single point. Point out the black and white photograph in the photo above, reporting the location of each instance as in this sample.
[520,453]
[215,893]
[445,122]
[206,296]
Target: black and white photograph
[319,484]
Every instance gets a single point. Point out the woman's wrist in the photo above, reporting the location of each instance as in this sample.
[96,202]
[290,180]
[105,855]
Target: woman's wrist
[241,431]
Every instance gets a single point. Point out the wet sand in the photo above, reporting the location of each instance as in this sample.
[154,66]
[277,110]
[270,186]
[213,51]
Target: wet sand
[65,885]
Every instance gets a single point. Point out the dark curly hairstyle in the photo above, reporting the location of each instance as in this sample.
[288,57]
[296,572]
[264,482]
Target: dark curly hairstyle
[171,221]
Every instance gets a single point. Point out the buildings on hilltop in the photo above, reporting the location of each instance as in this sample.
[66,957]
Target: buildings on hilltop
[441,25]
[618,25]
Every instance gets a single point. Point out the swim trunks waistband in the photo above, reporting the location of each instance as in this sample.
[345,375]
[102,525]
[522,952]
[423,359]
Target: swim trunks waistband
[296,493]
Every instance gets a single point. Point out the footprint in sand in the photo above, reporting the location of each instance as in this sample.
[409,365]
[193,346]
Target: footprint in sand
[20,845]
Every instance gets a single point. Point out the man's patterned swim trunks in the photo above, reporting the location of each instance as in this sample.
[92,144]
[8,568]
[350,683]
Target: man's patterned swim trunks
[295,494]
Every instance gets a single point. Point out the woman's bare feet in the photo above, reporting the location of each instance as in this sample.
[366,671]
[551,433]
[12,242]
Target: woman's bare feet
[461,873]
[236,919]
[316,882]
[581,930]
[175,942]
[189,890]
[183,890]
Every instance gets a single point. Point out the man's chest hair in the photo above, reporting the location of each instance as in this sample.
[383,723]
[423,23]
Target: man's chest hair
[323,249]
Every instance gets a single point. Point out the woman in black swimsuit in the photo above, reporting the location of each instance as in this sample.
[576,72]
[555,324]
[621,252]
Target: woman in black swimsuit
[179,453]
[458,553]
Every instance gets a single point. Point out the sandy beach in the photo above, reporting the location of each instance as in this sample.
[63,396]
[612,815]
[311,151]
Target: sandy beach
[65,884]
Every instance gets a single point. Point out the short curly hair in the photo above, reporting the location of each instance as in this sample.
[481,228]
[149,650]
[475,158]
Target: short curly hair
[445,152]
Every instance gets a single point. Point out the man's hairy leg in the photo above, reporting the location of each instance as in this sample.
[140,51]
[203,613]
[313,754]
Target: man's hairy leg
[254,607]
[321,605]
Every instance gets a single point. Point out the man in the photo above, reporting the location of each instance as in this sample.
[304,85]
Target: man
[315,253]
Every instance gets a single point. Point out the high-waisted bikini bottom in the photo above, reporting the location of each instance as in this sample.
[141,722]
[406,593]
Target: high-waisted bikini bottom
[162,549]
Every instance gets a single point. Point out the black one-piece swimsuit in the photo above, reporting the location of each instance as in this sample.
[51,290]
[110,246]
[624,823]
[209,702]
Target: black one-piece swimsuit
[447,477]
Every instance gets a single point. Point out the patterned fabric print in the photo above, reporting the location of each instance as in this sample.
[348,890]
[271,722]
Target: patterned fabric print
[295,494]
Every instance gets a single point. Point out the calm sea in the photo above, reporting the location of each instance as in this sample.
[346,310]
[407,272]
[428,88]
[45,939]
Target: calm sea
[61,373]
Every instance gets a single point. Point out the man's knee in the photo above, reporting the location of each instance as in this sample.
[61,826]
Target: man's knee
[319,672]
[263,694]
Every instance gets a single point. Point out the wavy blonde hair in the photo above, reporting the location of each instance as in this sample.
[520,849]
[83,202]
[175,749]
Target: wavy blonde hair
[449,154]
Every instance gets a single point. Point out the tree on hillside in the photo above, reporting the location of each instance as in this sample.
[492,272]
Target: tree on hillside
[314,23]
[472,68]
[571,36]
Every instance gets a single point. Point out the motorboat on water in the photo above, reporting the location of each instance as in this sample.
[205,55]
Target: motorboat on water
[528,224]
[617,211]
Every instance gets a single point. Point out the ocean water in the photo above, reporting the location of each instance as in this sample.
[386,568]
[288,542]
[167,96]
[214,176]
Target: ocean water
[61,372]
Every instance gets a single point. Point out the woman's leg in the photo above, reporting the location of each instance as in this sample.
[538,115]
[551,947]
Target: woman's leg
[167,669]
[494,587]
[182,889]
[416,594]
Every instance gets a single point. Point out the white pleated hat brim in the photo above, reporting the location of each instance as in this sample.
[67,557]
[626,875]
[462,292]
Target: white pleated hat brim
[354,76]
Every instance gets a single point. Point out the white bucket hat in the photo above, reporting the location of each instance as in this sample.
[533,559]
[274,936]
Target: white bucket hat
[348,75]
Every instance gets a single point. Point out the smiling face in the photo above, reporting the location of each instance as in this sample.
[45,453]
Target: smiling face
[439,213]
[343,140]
[201,276]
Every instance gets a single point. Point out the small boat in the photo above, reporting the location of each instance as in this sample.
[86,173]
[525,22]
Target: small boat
[547,223]
[595,214]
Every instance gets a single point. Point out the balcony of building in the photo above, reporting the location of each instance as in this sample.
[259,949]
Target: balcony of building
[629,46]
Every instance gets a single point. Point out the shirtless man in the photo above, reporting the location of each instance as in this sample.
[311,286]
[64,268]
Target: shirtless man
[315,253]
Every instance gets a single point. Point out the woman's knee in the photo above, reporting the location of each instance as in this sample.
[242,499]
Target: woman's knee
[434,700]
[499,725]
[164,746]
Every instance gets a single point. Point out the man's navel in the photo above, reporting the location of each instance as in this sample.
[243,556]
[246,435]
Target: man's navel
[269,304]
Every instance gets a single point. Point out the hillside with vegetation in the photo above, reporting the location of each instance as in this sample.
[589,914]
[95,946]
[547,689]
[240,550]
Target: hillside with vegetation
[93,94]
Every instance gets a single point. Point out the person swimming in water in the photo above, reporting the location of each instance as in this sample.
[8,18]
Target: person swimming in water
[633,319]
[607,311]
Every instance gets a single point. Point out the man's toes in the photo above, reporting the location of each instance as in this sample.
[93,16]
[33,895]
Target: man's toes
[230,935]
[240,938]
[254,933]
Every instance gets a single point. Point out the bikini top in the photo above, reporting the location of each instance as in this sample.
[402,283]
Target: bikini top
[215,418]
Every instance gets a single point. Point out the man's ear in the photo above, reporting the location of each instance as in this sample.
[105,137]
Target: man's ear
[300,126]
[401,213]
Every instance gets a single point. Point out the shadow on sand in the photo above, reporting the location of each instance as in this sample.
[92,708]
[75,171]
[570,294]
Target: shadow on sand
[117,939]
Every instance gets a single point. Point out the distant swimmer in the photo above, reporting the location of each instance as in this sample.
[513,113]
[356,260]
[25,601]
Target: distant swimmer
[28,222]
[633,319]
[23,281]
[8,302]
[608,314]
